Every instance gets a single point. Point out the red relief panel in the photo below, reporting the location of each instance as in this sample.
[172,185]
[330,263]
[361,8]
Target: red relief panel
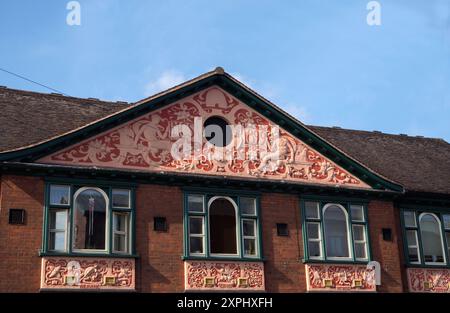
[88,273]
[226,275]
[146,143]
[337,278]
[428,280]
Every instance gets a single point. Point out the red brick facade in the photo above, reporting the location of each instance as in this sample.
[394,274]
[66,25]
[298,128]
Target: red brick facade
[159,267]
[20,244]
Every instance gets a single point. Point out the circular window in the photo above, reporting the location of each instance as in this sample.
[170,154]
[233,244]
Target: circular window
[217,131]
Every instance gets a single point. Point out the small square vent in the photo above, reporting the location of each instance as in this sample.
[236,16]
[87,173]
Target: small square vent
[282,229]
[17,216]
[387,234]
[160,223]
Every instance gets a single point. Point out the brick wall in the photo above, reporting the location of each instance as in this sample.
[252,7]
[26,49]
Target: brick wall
[383,214]
[283,269]
[19,244]
[159,267]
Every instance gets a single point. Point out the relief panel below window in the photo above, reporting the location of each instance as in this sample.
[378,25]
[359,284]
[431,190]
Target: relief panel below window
[60,273]
[339,277]
[428,280]
[223,275]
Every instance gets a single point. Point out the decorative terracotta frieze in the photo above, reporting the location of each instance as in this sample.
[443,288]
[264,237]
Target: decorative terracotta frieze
[224,275]
[337,278]
[146,143]
[428,280]
[88,273]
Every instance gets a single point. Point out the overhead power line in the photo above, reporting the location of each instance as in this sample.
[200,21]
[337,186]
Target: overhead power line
[32,81]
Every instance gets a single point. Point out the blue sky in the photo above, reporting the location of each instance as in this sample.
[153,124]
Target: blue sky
[318,60]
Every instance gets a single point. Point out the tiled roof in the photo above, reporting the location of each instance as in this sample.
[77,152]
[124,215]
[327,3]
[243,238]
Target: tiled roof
[419,164]
[29,117]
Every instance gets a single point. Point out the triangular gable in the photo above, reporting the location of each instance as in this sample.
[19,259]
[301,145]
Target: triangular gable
[145,144]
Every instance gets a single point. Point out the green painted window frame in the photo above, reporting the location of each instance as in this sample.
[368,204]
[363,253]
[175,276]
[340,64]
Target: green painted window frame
[107,187]
[235,196]
[346,204]
[418,210]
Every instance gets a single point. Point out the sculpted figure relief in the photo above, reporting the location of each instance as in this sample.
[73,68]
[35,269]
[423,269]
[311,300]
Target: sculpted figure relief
[146,143]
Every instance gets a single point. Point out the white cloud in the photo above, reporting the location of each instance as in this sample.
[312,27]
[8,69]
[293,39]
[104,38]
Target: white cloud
[166,80]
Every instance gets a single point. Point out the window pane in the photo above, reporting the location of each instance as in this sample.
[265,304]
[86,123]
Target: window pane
[248,206]
[58,220]
[59,194]
[357,213]
[358,232]
[413,254]
[195,203]
[196,244]
[196,225]
[120,243]
[312,210]
[336,234]
[446,218]
[411,237]
[360,250]
[447,236]
[314,248]
[121,198]
[409,218]
[249,247]
[431,239]
[120,222]
[313,230]
[248,227]
[57,241]
[222,226]
[89,220]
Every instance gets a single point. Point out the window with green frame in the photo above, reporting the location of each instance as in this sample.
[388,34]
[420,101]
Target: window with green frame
[427,236]
[335,231]
[222,226]
[88,219]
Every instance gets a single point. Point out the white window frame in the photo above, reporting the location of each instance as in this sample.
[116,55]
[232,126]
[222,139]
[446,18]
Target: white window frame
[441,236]
[236,212]
[254,237]
[349,235]
[57,230]
[121,233]
[202,235]
[319,240]
[416,246]
[108,213]
[363,241]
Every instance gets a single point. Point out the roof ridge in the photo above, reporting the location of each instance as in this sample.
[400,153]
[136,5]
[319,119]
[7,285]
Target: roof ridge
[4,89]
[377,132]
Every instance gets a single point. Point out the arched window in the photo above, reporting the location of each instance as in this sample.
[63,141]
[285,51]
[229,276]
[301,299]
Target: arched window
[90,219]
[222,226]
[336,231]
[431,235]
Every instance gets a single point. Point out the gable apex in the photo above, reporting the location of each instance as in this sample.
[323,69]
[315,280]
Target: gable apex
[232,87]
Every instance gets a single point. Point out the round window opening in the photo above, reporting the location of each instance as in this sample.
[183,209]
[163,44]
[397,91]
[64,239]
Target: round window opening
[217,131]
